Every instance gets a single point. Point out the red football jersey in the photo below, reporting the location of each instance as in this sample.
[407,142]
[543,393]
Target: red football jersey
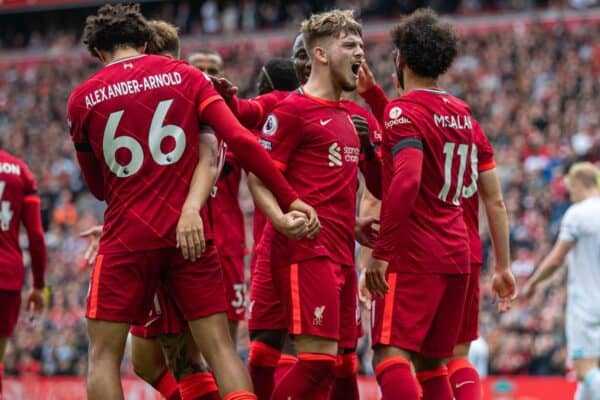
[482,160]
[17,185]
[139,117]
[314,142]
[434,238]
[375,133]
[252,112]
[227,216]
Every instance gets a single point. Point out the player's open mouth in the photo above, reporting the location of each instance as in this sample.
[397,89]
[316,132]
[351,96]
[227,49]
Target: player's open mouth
[355,68]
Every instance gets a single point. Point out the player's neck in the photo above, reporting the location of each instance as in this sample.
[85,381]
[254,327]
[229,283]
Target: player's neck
[322,86]
[415,82]
[120,53]
[591,193]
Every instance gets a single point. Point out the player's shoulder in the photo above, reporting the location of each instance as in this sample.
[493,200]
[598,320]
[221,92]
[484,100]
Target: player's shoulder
[293,102]
[9,158]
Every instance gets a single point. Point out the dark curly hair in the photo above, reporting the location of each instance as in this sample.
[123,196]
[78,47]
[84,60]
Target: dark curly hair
[116,25]
[427,45]
[277,74]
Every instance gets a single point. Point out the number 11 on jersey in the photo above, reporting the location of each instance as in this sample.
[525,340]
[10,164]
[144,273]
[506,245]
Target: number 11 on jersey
[462,152]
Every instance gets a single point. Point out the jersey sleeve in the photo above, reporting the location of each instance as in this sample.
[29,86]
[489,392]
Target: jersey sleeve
[281,134]
[485,152]
[569,226]
[401,130]
[29,184]
[204,91]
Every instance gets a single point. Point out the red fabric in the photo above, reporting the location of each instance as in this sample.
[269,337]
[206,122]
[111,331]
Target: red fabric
[377,100]
[167,386]
[235,285]
[445,127]
[164,318]
[32,219]
[469,329]
[396,380]
[310,378]
[422,321]
[139,216]
[317,143]
[1,377]
[252,113]
[464,380]
[240,395]
[399,201]
[265,309]
[261,365]
[435,384]
[345,388]
[346,365]
[17,186]
[252,156]
[199,386]
[286,362]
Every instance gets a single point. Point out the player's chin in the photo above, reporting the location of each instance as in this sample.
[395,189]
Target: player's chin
[350,85]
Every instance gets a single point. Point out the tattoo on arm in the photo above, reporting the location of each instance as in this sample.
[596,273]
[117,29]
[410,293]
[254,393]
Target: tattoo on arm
[180,361]
[210,141]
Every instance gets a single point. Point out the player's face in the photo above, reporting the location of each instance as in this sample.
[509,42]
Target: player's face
[575,189]
[208,63]
[346,55]
[301,63]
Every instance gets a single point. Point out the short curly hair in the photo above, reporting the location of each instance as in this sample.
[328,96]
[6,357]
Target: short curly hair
[165,38]
[427,45]
[116,25]
[328,24]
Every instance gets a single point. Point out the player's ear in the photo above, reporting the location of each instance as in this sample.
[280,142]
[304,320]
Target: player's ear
[320,54]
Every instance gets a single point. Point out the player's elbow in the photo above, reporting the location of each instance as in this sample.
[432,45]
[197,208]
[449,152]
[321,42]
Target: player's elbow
[494,204]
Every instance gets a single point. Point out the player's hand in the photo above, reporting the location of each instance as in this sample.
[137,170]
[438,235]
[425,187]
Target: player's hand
[190,234]
[34,303]
[504,289]
[363,293]
[224,87]
[366,80]
[294,224]
[375,277]
[93,234]
[314,225]
[365,231]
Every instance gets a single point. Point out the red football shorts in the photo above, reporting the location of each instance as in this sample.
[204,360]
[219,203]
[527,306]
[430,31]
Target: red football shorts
[164,318]
[319,297]
[123,285]
[422,313]
[265,309]
[9,311]
[235,285]
[469,329]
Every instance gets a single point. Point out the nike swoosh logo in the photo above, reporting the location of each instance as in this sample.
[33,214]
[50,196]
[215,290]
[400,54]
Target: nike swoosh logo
[459,385]
[325,121]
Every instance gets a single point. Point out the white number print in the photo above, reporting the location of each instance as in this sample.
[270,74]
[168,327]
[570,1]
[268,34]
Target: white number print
[111,143]
[462,152]
[240,291]
[6,213]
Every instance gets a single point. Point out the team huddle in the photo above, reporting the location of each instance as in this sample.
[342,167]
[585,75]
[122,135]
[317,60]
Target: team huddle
[164,141]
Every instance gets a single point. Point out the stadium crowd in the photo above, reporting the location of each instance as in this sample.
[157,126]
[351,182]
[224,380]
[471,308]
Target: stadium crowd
[536,91]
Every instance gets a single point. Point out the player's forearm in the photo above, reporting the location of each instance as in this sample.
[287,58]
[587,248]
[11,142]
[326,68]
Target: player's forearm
[32,221]
[92,174]
[369,207]
[264,199]
[205,175]
[377,100]
[497,217]
[252,156]
[398,202]
[545,270]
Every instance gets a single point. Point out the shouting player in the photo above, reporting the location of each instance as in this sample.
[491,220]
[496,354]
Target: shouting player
[135,127]
[420,268]
[579,239]
[312,138]
[19,203]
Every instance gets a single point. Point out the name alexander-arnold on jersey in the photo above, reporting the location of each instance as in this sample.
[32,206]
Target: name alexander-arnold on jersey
[131,87]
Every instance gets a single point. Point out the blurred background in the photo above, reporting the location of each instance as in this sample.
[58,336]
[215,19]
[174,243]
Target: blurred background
[530,69]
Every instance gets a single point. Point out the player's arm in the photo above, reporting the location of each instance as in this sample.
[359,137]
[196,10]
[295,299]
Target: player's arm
[369,207]
[190,228]
[369,164]
[292,224]
[503,281]
[252,156]
[398,202]
[32,220]
[248,112]
[549,265]
[89,164]
[371,92]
